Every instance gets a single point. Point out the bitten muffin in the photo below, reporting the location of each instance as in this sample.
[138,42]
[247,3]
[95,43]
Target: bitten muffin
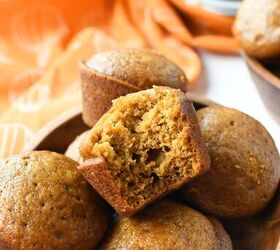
[145,146]
[109,75]
[73,151]
[257,27]
[245,165]
[167,225]
[45,203]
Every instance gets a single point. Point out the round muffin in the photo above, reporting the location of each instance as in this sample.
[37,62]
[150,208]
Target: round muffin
[167,225]
[73,151]
[224,241]
[147,145]
[46,204]
[142,68]
[109,75]
[245,165]
[257,27]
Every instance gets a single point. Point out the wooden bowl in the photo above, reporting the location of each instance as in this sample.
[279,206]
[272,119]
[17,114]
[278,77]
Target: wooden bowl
[267,83]
[260,232]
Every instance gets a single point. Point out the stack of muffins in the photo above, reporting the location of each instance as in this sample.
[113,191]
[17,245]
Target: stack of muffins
[151,173]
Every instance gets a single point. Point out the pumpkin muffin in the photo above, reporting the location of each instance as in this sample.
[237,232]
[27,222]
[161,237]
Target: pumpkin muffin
[245,165]
[224,241]
[73,151]
[109,75]
[145,146]
[257,28]
[45,203]
[167,225]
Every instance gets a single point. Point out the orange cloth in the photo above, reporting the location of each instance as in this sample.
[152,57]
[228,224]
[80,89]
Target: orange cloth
[42,41]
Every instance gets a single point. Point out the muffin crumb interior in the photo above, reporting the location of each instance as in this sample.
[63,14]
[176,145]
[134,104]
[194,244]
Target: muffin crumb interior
[146,143]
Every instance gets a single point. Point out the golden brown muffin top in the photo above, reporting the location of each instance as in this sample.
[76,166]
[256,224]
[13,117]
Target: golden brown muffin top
[140,67]
[46,204]
[165,225]
[257,27]
[245,164]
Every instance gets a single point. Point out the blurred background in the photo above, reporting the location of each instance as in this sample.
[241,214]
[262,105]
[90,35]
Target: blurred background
[41,43]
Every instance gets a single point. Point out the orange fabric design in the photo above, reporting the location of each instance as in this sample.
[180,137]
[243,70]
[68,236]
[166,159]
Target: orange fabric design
[41,43]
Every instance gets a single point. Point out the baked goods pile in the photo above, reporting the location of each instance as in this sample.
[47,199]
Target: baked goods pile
[112,74]
[151,173]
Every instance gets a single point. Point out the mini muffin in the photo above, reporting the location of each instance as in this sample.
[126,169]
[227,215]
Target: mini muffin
[167,225]
[245,165]
[45,203]
[257,27]
[109,75]
[73,151]
[145,146]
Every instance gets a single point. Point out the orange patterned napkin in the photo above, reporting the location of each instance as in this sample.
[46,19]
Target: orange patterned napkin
[41,43]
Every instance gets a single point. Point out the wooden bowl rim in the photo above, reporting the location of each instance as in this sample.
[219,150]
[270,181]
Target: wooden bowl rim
[51,127]
[261,70]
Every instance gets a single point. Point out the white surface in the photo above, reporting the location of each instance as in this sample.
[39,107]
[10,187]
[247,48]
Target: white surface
[225,7]
[226,80]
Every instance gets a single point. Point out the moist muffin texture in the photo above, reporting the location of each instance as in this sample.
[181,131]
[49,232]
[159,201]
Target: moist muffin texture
[109,75]
[45,203]
[245,165]
[146,145]
[257,27]
[73,151]
[167,225]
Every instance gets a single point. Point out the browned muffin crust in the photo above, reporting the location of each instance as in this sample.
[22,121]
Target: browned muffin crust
[257,28]
[245,165]
[109,75]
[224,241]
[98,91]
[45,203]
[140,67]
[145,146]
[167,225]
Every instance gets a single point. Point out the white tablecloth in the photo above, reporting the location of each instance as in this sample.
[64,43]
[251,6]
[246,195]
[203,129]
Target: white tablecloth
[226,80]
